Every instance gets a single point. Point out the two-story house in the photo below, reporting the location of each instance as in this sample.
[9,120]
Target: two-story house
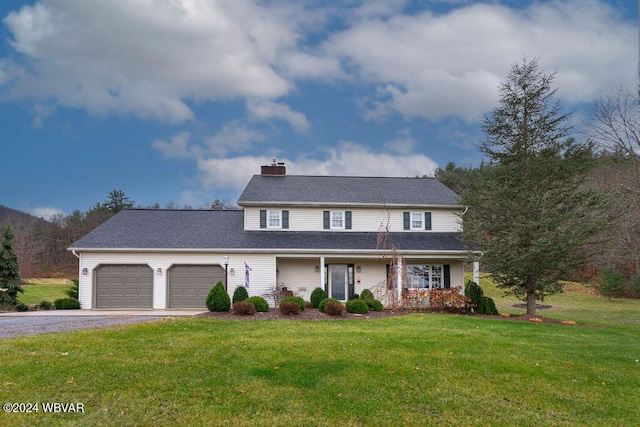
[341,233]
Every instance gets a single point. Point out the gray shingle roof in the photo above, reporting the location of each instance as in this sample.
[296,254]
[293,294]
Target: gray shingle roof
[347,190]
[210,230]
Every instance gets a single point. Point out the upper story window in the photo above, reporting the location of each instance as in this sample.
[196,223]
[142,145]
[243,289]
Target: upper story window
[337,220]
[417,220]
[274,218]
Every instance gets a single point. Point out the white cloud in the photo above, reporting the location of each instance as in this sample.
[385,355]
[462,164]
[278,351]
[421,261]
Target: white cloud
[347,158]
[267,110]
[433,66]
[403,143]
[148,58]
[177,147]
[233,137]
[46,213]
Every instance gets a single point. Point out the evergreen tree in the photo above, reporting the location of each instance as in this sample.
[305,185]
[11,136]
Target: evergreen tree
[530,213]
[118,201]
[9,268]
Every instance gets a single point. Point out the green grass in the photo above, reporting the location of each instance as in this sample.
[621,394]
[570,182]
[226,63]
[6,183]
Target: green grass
[421,369]
[33,294]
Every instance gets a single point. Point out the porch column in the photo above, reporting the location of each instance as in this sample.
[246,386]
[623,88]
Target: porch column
[322,279]
[399,277]
[476,272]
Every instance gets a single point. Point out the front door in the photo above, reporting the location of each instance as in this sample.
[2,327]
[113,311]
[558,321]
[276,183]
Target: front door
[338,281]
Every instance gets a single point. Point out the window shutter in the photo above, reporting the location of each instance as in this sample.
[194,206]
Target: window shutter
[326,217]
[350,282]
[285,219]
[347,220]
[263,218]
[427,220]
[407,220]
[447,276]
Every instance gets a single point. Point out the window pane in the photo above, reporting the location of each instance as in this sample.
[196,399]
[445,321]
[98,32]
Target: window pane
[417,276]
[416,221]
[274,218]
[337,220]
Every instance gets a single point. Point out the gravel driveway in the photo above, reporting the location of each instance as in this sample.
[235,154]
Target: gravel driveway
[28,325]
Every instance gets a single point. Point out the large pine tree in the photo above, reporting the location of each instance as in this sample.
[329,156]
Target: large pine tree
[9,269]
[530,213]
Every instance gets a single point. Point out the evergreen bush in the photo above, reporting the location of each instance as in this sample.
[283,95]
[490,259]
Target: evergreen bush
[72,292]
[289,308]
[357,306]
[20,306]
[334,307]
[474,292]
[611,283]
[490,306]
[259,303]
[318,295]
[244,308]
[45,305]
[297,300]
[374,305]
[218,299]
[67,304]
[366,294]
[324,302]
[240,294]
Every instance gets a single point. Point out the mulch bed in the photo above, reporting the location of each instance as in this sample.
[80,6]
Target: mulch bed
[315,314]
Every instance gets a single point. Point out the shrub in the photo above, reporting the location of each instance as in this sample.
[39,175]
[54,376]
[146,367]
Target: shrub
[259,303]
[490,306]
[449,299]
[334,308]
[297,300]
[357,306]
[374,305]
[45,305]
[20,306]
[240,294]
[244,308]
[324,302]
[366,294]
[635,286]
[611,283]
[289,307]
[72,292]
[218,299]
[67,304]
[318,295]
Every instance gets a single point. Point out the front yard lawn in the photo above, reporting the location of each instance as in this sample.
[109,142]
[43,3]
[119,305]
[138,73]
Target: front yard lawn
[421,369]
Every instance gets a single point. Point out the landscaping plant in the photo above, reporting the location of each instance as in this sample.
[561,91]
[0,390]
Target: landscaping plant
[289,308]
[259,303]
[218,298]
[297,300]
[317,295]
[240,294]
[357,306]
[244,308]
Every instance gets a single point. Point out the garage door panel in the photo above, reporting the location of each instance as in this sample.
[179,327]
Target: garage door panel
[124,286]
[189,285]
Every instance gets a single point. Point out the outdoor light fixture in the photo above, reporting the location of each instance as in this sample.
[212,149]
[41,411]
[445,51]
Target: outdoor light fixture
[85,271]
[232,271]
[159,271]
[358,269]
[225,259]
[317,269]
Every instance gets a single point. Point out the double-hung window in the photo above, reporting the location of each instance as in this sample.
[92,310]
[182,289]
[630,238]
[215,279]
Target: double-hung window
[274,218]
[417,221]
[337,219]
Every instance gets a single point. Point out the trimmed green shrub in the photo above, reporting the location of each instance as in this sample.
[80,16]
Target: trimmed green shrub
[20,306]
[45,305]
[324,302]
[297,300]
[240,294]
[611,283]
[490,306]
[289,308]
[318,295]
[244,308]
[374,305]
[357,306]
[334,308]
[366,294]
[259,303]
[218,299]
[67,304]
[72,292]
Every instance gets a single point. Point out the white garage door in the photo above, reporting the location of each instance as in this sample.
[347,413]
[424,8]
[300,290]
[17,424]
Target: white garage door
[189,285]
[124,286]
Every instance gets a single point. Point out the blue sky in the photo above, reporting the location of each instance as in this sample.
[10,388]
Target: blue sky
[182,100]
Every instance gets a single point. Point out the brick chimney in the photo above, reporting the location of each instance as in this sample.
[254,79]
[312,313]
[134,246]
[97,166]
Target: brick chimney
[274,169]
